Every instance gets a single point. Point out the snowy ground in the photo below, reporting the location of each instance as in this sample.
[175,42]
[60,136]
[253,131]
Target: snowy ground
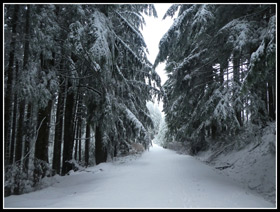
[160,178]
[253,166]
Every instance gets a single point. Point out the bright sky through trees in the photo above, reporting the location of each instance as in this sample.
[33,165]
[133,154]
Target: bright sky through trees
[152,32]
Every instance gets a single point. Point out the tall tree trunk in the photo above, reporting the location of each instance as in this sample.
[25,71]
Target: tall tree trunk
[100,149]
[25,66]
[76,139]
[87,144]
[271,102]
[29,136]
[80,140]
[44,120]
[58,132]
[42,143]
[9,90]
[76,146]
[223,69]
[247,110]
[68,133]
[19,143]
[236,79]
[261,115]
[59,126]
[213,131]
[14,127]
[79,123]
[20,129]
[76,124]
[274,96]
[41,147]
[264,96]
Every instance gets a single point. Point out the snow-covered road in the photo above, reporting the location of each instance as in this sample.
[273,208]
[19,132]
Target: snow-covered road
[160,178]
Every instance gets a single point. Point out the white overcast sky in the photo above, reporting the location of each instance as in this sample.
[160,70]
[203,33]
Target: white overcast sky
[152,32]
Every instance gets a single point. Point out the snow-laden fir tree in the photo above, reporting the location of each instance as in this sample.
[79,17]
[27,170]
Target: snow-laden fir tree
[86,65]
[220,59]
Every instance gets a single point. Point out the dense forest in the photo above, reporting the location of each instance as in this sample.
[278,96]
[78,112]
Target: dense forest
[77,81]
[221,69]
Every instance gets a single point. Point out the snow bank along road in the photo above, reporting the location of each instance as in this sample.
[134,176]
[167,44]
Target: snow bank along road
[160,178]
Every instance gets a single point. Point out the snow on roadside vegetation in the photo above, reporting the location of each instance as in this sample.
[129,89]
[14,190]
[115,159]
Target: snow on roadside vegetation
[249,159]
[158,178]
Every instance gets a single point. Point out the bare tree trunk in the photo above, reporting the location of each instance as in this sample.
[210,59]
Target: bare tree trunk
[14,127]
[19,139]
[29,137]
[236,79]
[25,64]
[76,146]
[213,131]
[21,132]
[44,120]
[68,133]
[87,144]
[100,149]
[59,126]
[271,102]
[80,142]
[58,131]
[77,124]
[9,87]
[19,143]
[41,147]
[42,143]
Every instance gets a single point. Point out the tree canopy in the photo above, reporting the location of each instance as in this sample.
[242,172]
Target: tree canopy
[77,80]
[220,61]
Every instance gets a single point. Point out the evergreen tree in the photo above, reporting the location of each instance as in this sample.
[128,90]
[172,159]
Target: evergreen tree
[205,44]
[86,65]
